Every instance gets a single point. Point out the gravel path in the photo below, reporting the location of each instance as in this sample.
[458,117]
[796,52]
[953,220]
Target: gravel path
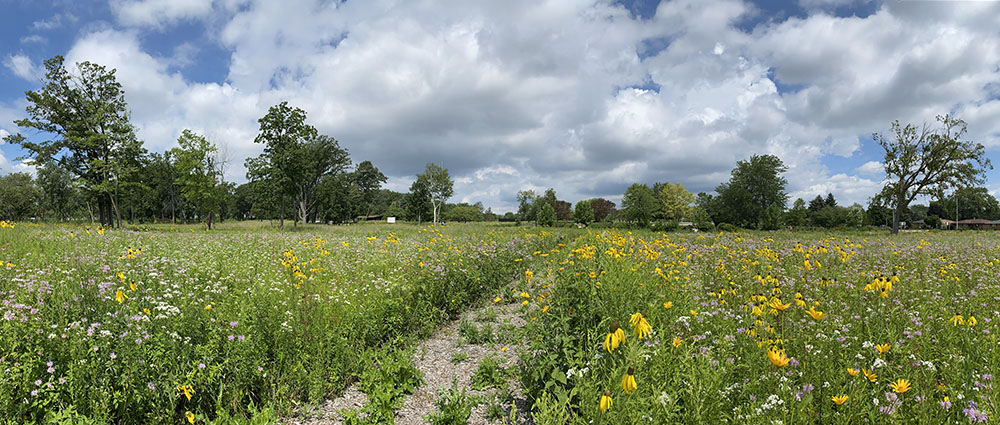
[434,357]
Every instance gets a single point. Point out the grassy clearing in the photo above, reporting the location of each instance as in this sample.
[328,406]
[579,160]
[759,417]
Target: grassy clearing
[171,324]
[765,328]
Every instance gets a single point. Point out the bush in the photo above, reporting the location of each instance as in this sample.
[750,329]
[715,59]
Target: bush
[546,215]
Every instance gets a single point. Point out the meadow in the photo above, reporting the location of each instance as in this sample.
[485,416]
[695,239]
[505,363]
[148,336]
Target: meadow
[766,328]
[175,324]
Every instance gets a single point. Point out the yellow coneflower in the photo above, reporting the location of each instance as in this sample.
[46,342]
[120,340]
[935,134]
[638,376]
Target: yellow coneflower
[882,348]
[615,337]
[972,321]
[606,401]
[840,399]
[776,304]
[816,315]
[777,357]
[956,320]
[628,381]
[640,326]
[677,342]
[870,375]
[190,417]
[852,372]
[120,296]
[900,386]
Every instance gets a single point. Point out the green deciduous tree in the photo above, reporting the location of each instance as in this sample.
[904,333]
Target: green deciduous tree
[639,204]
[755,195]
[368,179]
[582,213]
[85,119]
[418,201]
[19,197]
[675,201]
[972,202]
[546,214]
[59,194]
[198,174]
[526,205]
[926,162]
[439,186]
[798,215]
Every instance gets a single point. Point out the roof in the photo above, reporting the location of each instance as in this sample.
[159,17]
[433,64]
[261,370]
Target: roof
[974,221]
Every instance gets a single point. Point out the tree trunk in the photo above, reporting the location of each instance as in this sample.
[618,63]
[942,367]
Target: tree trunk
[281,219]
[434,209]
[895,221]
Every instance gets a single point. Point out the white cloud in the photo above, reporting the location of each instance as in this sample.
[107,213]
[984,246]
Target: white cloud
[156,13]
[53,22]
[23,67]
[34,38]
[870,168]
[529,95]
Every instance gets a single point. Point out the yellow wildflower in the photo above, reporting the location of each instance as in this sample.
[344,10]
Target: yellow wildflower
[870,375]
[852,372]
[639,325]
[882,348]
[900,386]
[677,342]
[605,401]
[615,337]
[628,381]
[972,321]
[840,399]
[190,417]
[777,357]
[816,315]
[956,320]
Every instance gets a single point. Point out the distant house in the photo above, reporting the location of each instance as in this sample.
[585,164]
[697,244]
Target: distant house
[919,224]
[994,225]
[974,224]
[947,224]
[367,218]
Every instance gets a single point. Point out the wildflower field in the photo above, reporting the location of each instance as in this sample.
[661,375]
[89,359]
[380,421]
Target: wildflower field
[766,328]
[178,325]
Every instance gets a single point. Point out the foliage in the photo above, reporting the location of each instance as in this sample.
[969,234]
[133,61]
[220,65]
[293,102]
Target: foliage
[239,316]
[972,202]
[927,162]
[369,179]
[490,373]
[463,213]
[19,197]
[675,201]
[546,214]
[198,174]
[755,195]
[86,116]
[754,327]
[453,408]
[603,209]
[583,213]
[526,207]
[798,214]
[439,186]
[639,204]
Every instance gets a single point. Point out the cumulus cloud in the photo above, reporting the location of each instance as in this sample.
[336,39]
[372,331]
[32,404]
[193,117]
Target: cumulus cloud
[156,13]
[23,67]
[870,168]
[579,96]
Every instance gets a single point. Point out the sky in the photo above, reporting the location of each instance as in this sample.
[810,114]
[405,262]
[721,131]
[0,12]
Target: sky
[586,97]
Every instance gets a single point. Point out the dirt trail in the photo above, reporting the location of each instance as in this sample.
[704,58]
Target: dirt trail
[436,358]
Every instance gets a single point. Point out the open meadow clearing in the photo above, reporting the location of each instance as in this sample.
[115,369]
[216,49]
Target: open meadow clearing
[175,324]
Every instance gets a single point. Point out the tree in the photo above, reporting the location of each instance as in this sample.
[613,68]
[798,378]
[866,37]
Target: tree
[755,195]
[798,214]
[369,179]
[463,213]
[439,186]
[927,162]
[198,174]
[583,214]
[675,201]
[295,158]
[546,215]
[418,201]
[526,205]
[19,197]
[86,116]
[564,210]
[816,204]
[972,202]
[639,204]
[830,201]
[57,190]
[603,209]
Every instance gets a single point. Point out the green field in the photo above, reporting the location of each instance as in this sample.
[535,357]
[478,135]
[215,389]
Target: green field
[172,324]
